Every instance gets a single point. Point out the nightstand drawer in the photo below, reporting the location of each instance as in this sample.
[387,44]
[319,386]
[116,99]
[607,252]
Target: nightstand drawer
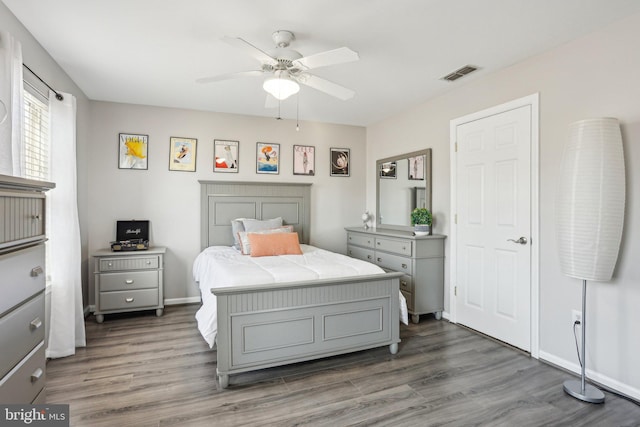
[394,262]
[409,297]
[23,328]
[400,247]
[124,300]
[406,283]
[360,253]
[129,263]
[360,240]
[128,280]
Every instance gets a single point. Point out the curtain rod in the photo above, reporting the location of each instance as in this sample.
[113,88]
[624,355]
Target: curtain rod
[59,96]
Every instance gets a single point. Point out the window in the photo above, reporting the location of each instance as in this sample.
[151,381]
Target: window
[36,134]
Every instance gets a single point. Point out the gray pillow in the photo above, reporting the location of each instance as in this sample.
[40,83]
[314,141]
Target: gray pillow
[236,227]
[259,225]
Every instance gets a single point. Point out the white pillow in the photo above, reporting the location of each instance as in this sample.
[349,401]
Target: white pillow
[236,227]
[243,236]
[257,225]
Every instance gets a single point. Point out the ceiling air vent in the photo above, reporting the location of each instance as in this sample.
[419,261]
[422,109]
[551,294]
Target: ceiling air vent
[461,72]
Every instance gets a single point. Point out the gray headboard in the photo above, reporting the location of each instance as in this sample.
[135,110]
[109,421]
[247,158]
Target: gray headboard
[222,201]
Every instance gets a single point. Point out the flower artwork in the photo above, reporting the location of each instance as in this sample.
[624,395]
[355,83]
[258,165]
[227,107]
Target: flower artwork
[267,158]
[225,156]
[133,151]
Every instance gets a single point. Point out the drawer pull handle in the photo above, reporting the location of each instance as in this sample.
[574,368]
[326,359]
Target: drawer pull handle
[110,264]
[35,323]
[128,299]
[404,248]
[36,271]
[37,374]
[404,266]
[368,242]
[403,283]
[368,256]
[379,259]
[129,281]
[148,262]
[36,217]
[350,238]
[378,243]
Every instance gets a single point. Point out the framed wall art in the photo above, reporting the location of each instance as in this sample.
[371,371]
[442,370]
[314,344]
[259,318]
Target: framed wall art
[267,158]
[132,151]
[304,160]
[182,154]
[340,158]
[388,170]
[225,155]
[416,168]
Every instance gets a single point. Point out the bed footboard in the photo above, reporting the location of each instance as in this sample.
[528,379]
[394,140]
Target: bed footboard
[261,327]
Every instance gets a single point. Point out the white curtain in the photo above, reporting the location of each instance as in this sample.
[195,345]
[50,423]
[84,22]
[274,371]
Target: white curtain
[64,269]
[12,103]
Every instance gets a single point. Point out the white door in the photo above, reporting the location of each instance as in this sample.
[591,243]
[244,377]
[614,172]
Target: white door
[493,228]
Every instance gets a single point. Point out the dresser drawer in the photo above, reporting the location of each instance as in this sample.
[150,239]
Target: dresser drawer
[24,382]
[406,283]
[128,280]
[22,219]
[129,263]
[361,253]
[360,240]
[125,300]
[400,247]
[394,262]
[20,331]
[22,276]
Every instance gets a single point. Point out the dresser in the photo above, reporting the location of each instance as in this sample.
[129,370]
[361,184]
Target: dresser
[22,288]
[420,258]
[128,281]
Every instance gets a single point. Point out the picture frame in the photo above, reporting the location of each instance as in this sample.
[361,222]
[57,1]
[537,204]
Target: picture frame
[340,161]
[267,158]
[226,156]
[416,168]
[182,154]
[133,151]
[304,160]
[388,170]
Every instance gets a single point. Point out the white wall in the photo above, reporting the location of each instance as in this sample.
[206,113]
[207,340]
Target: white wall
[170,199]
[589,77]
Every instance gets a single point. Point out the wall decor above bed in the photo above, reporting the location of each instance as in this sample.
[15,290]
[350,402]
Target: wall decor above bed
[182,154]
[304,160]
[267,158]
[225,156]
[340,161]
[132,151]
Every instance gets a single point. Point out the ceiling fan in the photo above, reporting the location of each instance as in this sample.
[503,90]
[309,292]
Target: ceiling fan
[285,68]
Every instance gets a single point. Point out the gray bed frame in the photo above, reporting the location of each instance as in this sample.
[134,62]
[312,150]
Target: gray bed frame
[278,324]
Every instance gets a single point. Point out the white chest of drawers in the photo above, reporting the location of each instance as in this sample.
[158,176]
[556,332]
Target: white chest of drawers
[129,281]
[421,258]
[22,285]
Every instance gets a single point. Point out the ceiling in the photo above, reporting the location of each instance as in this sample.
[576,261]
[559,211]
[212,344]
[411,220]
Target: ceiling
[151,52]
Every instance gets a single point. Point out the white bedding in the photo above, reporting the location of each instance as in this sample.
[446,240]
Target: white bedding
[222,266]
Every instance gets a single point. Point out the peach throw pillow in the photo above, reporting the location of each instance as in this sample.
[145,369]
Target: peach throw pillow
[274,244]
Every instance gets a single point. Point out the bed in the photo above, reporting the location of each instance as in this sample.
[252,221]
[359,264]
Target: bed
[301,316]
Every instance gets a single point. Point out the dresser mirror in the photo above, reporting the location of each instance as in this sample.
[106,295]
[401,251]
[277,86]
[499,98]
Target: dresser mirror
[403,183]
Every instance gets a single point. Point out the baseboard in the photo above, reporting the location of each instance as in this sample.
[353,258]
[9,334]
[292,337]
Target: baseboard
[595,377]
[187,300]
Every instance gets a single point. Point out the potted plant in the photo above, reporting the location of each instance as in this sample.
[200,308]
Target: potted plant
[421,220]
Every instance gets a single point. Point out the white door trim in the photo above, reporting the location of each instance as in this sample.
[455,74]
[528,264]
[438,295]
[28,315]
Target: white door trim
[533,101]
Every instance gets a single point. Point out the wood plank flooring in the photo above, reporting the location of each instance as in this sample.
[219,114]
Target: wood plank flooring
[141,370]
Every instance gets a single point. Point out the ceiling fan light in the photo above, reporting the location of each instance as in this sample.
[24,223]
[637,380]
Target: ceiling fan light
[281,86]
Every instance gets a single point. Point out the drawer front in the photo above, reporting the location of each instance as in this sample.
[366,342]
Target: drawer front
[360,253]
[23,218]
[128,280]
[409,297]
[129,263]
[400,247]
[360,240]
[26,380]
[394,262]
[124,300]
[406,283]
[23,329]
[22,276]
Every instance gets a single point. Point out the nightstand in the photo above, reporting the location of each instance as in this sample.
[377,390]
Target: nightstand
[128,281]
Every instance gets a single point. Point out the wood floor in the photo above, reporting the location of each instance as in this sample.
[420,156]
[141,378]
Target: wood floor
[140,370]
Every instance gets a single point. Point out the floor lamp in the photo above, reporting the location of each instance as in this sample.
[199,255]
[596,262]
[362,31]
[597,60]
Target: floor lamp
[590,215]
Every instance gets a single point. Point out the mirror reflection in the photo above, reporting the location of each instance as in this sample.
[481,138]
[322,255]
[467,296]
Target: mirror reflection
[403,183]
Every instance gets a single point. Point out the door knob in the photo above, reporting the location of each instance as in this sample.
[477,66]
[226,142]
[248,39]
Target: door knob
[521,240]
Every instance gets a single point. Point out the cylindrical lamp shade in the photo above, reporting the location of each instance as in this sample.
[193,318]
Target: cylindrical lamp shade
[590,204]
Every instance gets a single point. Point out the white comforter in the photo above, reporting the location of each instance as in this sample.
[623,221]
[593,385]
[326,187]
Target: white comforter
[222,266]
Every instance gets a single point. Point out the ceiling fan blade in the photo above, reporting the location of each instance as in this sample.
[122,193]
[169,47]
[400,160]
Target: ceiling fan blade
[250,49]
[229,76]
[326,86]
[323,59]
